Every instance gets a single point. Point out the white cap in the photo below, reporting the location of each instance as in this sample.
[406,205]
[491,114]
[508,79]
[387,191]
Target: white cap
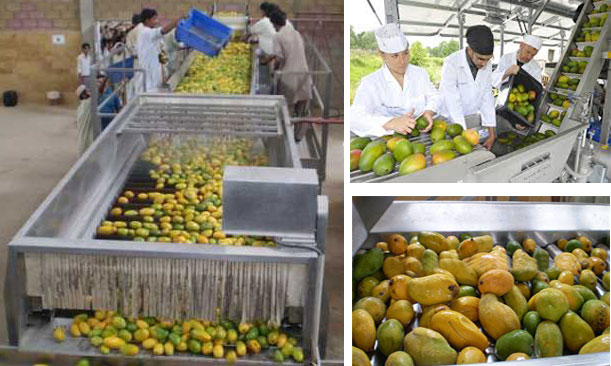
[80,90]
[533,41]
[391,39]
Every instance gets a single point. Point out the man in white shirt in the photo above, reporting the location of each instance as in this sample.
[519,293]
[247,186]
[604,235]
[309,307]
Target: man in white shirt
[149,46]
[83,64]
[390,99]
[132,36]
[466,83]
[263,29]
[511,63]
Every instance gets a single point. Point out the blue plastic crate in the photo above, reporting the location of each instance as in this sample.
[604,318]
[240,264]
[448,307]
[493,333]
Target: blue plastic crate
[201,32]
[117,76]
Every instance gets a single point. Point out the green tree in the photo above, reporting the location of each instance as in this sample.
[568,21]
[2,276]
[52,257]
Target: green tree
[419,55]
[444,49]
[363,40]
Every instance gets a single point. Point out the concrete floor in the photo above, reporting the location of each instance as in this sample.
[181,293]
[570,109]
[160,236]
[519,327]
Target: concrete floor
[38,145]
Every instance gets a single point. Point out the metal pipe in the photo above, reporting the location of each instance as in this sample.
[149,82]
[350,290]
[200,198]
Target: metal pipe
[461,23]
[502,39]
[391,8]
[554,9]
[533,19]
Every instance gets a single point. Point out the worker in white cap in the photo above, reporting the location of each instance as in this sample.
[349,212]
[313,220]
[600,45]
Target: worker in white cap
[511,63]
[391,98]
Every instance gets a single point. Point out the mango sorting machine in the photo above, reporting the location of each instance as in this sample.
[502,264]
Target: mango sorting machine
[56,262]
[376,217]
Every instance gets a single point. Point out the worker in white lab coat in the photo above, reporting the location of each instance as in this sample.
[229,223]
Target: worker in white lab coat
[511,63]
[390,99]
[149,46]
[466,83]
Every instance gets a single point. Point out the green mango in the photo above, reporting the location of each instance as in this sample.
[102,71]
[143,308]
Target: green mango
[530,321]
[441,145]
[359,143]
[575,331]
[524,267]
[390,336]
[412,163]
[538,286]
[403,149]
[428,347]
[462,145]
[598,344]
[430,261]
[466,291]
[384,165]
[515,300]
[542,258]
[418,148]
[585,292]
[421,123]
[512,246]
[572,245]
[437,134]
[415,132]
[553,272]
[548,340]
[454,130]
[399,358]
[515,341]
[370,154]
[374,306]
[368,264]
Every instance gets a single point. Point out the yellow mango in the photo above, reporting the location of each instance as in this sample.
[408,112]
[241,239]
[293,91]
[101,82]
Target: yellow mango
[392,266]
[495,317]
[399,288]
[397,244]
[458,330]
[464,274]
[433,289]
[470,355]
[483,262]
[495,281]
[567,262]
[428,312]
[363,330]
[466,305]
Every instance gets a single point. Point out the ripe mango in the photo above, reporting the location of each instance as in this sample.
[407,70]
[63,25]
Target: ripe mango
[390,336]
[442,156]
[359,358]
[428,312]
[575,331]
[392,143]
[524,266]
[470,355]
[399,287]
[596,314]
[384,165]
[467,306]
[434,241]
[355,157]
[393,266]
[572,295]
[471,136]
[382,291]
[370,154]
[483,262]
[399,358]
[402,150]
[551,304]
[397,244]
[464,274]
[441,145]
[567,262]
[363,330]
[548,340]
[495,317]
[433,289]
[428,347]
[374,306]
[598,344]
[412,164]
[496,281]
[402,311]
[458,330]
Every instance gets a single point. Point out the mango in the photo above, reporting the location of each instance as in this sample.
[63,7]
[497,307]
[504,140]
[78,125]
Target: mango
[437,134]
[441,146]
[433,289]
[606,280]
[453,242]
[454,130]
[390,336]
[513,342]
[495,317]
[471,135]
[399,358]
[418,148]
[397,244]
[368,264]
[402,150]
[366,286]
[575,331]
[442,156]
[458,330]
[542,258]
[428,312]
[467,306]
[551,304]
[384,165]
[370,154]
[415,250]
[483,262]
[605,298]
[515,300]
[428,347]
[382,291]
[470,355]
[402,311]
[430,261]
[512,246]
[374,306]
[399,288]
[518,356]
[585,292]
[392,266]
[363,330]
[600,253]
[448,254]
[548,340]
[529,245]
[392,143]
[598,344]
[524,267]
[463,146]
[572,245]
[598,265]
[464,274]
[414,266]
[596,314]
[524,289]
[412,164]
[466,249]
[355,157]
[566,277]
[496,281]
[531,321]
[572,295]
[433,241]
[359,358]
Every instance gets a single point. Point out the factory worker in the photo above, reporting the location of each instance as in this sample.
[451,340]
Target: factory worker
[132,36]
[466,83]
[83,63]
[149,46]
[263,29]
[511,63]
[83,119]
[391,98]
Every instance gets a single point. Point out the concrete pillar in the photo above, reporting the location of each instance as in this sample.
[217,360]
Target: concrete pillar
[87,22]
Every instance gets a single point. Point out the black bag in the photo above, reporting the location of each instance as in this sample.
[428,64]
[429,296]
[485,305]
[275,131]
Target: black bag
[10,98]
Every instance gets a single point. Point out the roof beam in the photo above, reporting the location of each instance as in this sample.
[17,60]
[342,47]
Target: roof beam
[552,8]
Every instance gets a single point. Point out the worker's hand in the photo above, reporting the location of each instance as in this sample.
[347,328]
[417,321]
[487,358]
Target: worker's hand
[512,70]
[489,141]
[403,124]
[520,127]
[428,116]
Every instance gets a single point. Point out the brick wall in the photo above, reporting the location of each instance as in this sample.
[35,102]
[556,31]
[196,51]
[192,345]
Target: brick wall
[30,63]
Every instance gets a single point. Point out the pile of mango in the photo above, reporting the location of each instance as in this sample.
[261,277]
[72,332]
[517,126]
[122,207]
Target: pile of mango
[520,101]
[517,142]
[109,331]
[602,9]
[596,21]
[575,67]
[554,117]
[565,82]
[560,100]
[228,73]
[192,170]
[455,285]
[384,156]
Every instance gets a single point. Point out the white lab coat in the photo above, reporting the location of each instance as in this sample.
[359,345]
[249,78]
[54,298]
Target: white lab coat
[379,98]
[511,59]
[461,95]
[148,47]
